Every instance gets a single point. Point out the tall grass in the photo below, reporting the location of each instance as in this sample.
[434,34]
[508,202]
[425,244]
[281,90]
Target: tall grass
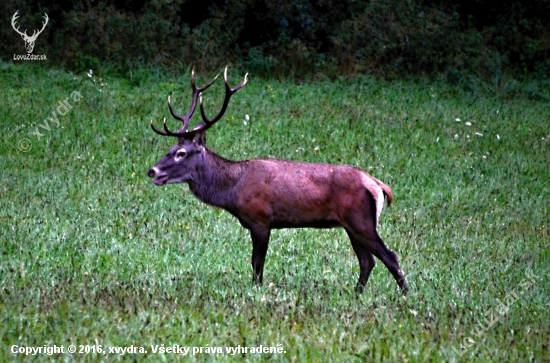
[93,254]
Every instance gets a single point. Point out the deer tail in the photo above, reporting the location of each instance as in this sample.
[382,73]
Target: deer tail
[387,192]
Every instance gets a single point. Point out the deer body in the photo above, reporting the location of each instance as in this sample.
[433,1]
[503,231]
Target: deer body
[266,194]
[281,193]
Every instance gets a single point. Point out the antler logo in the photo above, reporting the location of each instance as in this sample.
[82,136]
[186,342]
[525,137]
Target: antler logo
[29,40]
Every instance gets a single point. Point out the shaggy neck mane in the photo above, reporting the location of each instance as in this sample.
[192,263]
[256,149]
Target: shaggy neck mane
[215,179]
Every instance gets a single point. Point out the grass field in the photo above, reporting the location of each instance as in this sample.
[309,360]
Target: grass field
[93,254]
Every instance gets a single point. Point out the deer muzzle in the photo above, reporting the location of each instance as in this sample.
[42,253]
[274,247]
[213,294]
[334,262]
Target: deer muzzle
[160,178]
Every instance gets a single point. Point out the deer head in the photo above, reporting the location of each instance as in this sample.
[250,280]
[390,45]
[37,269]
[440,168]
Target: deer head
[29,40]
[179,165]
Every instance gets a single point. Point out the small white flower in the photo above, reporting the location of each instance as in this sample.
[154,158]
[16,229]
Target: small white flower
[457,120]
[456,136]
[247,118]
[414,312]
[479,134]
[498,137]
[468,124]
[90,74]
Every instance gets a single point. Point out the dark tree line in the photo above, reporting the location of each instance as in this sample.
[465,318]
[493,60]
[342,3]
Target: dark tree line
[391,38]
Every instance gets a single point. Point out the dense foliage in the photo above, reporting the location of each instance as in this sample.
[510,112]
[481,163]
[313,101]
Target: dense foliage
[460,39]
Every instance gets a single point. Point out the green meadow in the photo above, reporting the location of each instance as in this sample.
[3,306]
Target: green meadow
[93,255]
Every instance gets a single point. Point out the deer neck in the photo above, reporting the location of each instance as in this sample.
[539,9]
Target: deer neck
[216,179]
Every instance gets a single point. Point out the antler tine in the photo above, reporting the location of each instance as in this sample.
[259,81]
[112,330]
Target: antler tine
[166,131]
[43,24]
[183,119]
[170,133]
[13,20]
[206,123]
[196,92]
[157,130]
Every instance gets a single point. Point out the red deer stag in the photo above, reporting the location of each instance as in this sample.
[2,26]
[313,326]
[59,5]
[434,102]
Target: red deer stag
[269,193]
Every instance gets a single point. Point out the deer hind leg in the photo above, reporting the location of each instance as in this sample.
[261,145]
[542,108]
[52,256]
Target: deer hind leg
[389,259]
[369,242]
[366,262]
[260,242]
[360,225]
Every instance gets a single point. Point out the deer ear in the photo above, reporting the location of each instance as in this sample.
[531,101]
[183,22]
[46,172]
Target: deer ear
[200,138]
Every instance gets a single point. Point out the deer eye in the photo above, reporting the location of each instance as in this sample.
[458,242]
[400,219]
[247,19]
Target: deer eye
[181,153]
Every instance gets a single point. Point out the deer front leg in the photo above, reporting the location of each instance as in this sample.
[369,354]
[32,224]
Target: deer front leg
[260,241]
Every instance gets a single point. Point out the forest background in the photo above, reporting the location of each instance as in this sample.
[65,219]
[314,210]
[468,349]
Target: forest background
[473,43]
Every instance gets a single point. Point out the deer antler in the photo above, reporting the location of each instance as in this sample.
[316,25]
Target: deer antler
[185,119]
[206,123]
[24,34]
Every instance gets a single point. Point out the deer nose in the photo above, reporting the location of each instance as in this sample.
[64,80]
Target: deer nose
[151,173]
